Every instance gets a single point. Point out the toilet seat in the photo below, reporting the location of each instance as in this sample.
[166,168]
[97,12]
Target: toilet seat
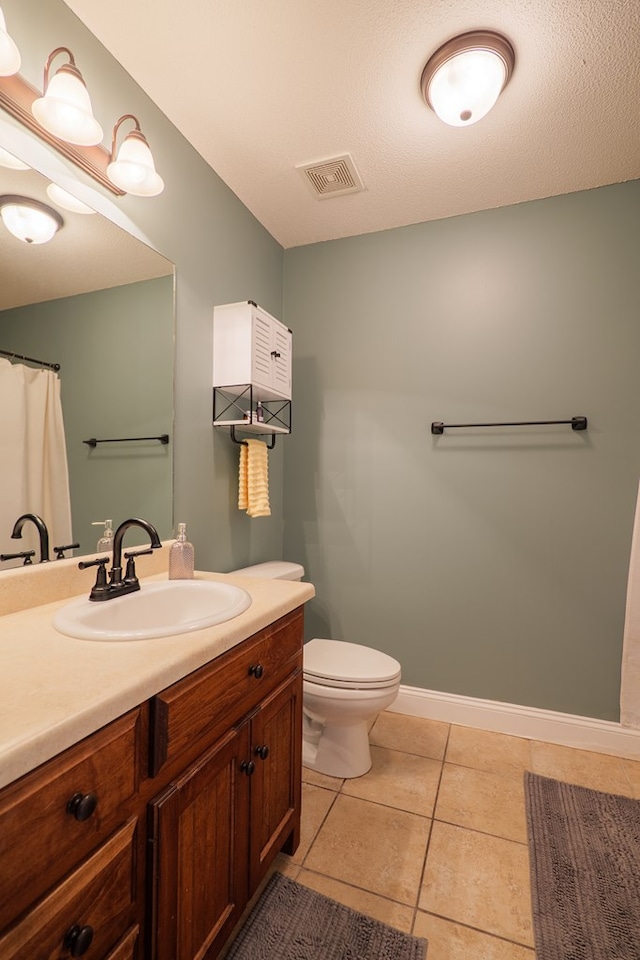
[336,663]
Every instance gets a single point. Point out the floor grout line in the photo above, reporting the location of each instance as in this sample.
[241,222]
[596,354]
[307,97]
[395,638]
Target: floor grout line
[426,853]
[469,926]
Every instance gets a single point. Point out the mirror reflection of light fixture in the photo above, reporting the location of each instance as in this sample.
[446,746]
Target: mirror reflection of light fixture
[8,160]
[9,54]
[65,108]
[463,79]
[66,200]
[133,169]
[29,220]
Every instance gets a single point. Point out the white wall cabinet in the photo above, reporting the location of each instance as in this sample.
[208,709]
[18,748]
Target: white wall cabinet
[251,347]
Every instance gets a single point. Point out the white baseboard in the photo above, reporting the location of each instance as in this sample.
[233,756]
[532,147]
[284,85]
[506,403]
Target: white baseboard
[586,733]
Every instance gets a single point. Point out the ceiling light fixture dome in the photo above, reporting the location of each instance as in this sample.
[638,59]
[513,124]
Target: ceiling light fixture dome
[65,108]
[29,220]
[463,79]
[133,169]
[10,59]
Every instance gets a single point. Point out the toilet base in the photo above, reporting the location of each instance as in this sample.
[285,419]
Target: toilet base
[338,751]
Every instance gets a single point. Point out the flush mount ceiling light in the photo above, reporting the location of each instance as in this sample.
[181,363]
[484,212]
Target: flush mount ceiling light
[463,79]
[67,200]
[133,169]
[65,108]
[29,220]
[9,54]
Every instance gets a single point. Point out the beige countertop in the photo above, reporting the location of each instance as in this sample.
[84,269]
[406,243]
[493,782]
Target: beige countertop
[55,690]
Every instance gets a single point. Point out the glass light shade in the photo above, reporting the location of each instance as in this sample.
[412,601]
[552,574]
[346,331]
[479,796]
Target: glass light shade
[133,170]
[67,200]
[10,59]
[30,221]
[8,160]
[65,109]
[465,88]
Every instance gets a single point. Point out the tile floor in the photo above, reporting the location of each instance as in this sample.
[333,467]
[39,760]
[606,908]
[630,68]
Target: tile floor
[433,839]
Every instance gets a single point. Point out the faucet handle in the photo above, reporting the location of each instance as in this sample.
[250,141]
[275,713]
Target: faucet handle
[130,572]
[59,551]
[27,554]
[100,589]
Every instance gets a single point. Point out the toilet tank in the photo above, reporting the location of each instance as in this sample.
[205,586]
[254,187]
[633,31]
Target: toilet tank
[272,570]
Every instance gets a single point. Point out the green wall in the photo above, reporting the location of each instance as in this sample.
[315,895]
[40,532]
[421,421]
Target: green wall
[115,349]
[491,563]
[222,254]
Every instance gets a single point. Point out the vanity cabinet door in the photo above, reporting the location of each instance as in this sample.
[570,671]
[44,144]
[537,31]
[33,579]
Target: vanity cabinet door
[127,948]
[199,835]
[276,784]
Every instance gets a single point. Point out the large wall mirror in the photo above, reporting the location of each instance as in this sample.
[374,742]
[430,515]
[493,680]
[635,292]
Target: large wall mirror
[100,303]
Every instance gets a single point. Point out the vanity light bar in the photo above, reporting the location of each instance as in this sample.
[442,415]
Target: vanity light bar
[63,117]
[17,96]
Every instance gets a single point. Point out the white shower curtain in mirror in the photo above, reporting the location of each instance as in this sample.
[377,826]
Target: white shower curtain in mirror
[33,458]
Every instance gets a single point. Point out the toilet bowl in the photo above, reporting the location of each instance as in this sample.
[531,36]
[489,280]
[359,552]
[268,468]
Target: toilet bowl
[345,686]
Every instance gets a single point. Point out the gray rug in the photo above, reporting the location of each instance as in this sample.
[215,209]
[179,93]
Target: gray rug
[291,922]
[584,851]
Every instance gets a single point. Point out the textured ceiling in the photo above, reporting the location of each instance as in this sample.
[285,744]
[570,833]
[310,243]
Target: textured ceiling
[281,83]
[103,255]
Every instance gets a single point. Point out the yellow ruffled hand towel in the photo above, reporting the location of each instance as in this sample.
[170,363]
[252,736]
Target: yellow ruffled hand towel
[253,479]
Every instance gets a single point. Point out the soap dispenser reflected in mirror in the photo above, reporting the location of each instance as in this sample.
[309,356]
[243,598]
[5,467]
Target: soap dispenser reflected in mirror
[181,556]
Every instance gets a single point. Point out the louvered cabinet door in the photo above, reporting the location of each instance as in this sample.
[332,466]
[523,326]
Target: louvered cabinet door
[281,346]
[271,363]
[199,835]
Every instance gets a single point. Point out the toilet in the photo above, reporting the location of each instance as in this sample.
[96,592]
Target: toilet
[345,686]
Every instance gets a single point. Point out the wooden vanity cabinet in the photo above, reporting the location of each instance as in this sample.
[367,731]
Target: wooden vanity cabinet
[146,840]
[219,824]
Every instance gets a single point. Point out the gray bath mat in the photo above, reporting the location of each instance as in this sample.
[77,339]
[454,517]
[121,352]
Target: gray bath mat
[291,922]
[584,850]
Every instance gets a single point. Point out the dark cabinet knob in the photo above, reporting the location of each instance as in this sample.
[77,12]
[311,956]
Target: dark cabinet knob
[77,940]
[262,752]
[248,767]
[82,805]
[256,670]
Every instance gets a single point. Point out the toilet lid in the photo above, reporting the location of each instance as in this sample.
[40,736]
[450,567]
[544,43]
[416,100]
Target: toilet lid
[337,663]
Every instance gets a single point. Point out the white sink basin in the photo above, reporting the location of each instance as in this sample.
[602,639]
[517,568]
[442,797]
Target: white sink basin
[156,610]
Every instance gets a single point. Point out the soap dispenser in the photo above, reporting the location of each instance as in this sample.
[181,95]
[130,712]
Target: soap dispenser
[106,540]
[181,556]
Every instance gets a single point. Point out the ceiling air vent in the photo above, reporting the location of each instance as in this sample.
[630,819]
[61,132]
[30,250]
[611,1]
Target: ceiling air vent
[332,178]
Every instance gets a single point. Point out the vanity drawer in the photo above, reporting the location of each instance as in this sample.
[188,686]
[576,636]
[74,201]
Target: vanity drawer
[41,837]
[205,704]
[98,895]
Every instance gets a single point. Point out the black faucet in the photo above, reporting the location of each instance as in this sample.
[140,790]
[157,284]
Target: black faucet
[116,566]
[41,527]
[119,585]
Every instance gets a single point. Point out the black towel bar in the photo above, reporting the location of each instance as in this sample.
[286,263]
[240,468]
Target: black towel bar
[164,438]
[577,423]
[232,433]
